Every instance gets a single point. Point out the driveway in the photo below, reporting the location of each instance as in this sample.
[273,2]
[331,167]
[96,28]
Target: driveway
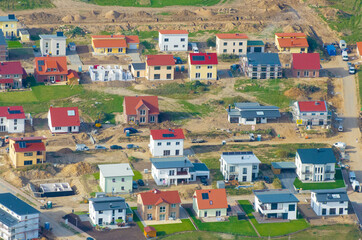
[287,178]
[135,55]
[74,58]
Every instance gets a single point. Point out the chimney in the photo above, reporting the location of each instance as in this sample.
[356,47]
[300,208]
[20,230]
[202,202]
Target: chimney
[154,191]
[8,109]
[170,130]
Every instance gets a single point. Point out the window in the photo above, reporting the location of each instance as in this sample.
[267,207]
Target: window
[245,170]
[182,39]
[302,49]
[58,128]
[163,209]
[157,68]
[120,210]
[255,167]
[224,50]
[113,180]
[166,39]
[152,118]
[142,119]
[122,179]
[332,211]
[263,69]
[166,153]
[173,215]
[209,67]
[162,217]
[168,76]
[306,73]
[168,143]
[272,69]
[232,168]
[26,163]
[143,112]
[57,45]
[197,75]
[205,214]
[225,43]
[149,207]
[240,50]
[28,154]
[233,43]
[177,143]
[169,67]
[298,74]
[171,173]
[149,216]
[255,69]
[240,43]
[177,152]
[159,144]
[341,202]
[38,161]
[122,188]
[198,67]
[313,73]
[46,44]
[209,75]
[175,46]
[341,211]
[291,207]
[274,206]
[218,213]
[244,179]
[156,76]
[57,52]
[173,205]
[109,49]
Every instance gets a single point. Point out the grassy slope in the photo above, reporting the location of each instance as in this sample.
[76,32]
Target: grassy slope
[25,4]
[339,183]
[154,3]
[360,85]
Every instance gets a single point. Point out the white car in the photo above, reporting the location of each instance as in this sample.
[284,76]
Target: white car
[340,145]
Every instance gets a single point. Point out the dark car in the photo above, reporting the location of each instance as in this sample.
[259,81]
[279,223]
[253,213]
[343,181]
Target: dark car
[203,180]
[100,147]
[134,185]
[116,147]
[140,182]
[130,146]
[130,129]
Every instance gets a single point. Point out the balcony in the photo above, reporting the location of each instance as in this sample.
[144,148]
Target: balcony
[329,171]
[182,173]
[269,209]
[306,172]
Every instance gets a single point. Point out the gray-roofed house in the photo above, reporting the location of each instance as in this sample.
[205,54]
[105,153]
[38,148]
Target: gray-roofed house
[276,203]
[138,70]
[3,47]
[240,166]
[9,26]
[255,46]
[330,202]
[18,220]
[252,113]
[116,178]
[54,45]
[261,65]
[315,164]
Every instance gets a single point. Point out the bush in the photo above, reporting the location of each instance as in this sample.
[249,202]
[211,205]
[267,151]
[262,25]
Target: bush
[313,45]
[77,31]
[229,57]
[211,42]
[277,183]
[148,45]
[308,88]
[280,153]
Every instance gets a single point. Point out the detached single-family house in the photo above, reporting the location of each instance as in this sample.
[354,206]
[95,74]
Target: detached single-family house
[210,203]
[63,119]
[329,202]
[173,40]
[311,113]
[18,219]
[3,47]
[291,42]
[51,69]
[203,66]
[255,46]
[359,49]
[158,205]
[113,44]
[72,78]
[99,73]
[12,119]
[116,178]
[231,43]
[167,142]
[240,166]
[138,70]
[261,65]
[306,65]
[160,67]
[252,113]
[315,164]
[9,26]
[11,75]
[276,203]
[26,151]
[141,109]
[54,45]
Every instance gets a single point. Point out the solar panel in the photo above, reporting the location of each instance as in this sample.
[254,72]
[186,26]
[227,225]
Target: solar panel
[11,16]
[168,135]
[14,111]
[198,58]
[205,196]
[60,34]
[71,113]
[259,113]
[22,144]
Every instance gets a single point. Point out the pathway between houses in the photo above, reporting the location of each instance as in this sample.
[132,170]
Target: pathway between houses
[249,220]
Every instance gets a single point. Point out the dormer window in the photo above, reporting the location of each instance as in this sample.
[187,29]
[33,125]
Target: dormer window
[142,112]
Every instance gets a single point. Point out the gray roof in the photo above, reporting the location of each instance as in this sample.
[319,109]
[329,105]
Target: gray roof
[139,66]
[108,203]
[6,19]
[2,38]
[116,170]
[254,110]
[199,167]
[7,219]
[239,157]
[24,31]
[275,196]
[171,162]
[263,59]
[16,205]
[255,43]
[316,155]
[52,36]
[284,165]
[331,195]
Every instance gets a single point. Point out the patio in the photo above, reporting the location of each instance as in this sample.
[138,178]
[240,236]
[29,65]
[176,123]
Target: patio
[261,219]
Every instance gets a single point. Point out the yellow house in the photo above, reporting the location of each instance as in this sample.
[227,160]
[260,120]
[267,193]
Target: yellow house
[291,42]
[26,151]
[203,66]
[24,35]
[9,25]
[113,44]
[160,67]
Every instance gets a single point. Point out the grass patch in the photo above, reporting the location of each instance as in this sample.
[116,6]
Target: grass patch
[153,4]
[96,175]
[69,228]
[137,174]
[339,183]
[25,4]
[80,213]
[14,44]
[229,58]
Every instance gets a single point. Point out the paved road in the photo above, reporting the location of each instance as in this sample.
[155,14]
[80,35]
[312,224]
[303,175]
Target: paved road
[287,179]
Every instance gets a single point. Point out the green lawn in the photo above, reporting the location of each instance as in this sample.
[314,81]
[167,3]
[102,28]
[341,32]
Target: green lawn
[25,4]
[137,175]
[339,183]
[14,44]
[96,175]
[153,3]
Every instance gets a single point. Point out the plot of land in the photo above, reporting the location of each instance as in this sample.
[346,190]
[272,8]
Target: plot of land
[149,3]
[338,183]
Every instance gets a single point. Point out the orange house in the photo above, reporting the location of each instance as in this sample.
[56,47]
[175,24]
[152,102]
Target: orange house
[51,69]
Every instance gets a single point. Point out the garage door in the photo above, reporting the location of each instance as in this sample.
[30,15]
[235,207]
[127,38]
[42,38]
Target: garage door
[257,49]
[133,46]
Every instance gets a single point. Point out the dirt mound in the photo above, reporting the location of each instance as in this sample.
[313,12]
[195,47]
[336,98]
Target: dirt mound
[143,14]
[112,15]
[330,13]
[295,93]
[293,28]
[186,13]
[65,151]
[12,178]
[203,12]
[77,169]
[78,17]
[229,26]
[68,18]
[42,17]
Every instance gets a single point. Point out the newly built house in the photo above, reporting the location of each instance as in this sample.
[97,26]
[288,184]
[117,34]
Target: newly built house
[160,67]
[173,40]
[167,142]
[54,45]
[260,65]
[11,75]
[9,26]
[231,43]
[114,44]
[329,202]
[203,66]
[210,203]
[313,113]
[291,42]
[116,178]
[305,65]
[141,109]
[12,119]
[63,119]
[99,73]
[51,69]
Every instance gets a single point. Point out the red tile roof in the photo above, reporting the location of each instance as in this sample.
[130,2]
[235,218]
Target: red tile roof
[173,32]
[149,229]
[132,39]
[107,36]
[30,147]
[7,80]
[72,74]
[12,112]
[160,60]
[61,118]
[160,134]
[133,103]
[156,197]
[50,62]
[109,43]
[11,68]
[312,106]
[208,59]
[306,61]
[291,35]
[232,36]
[293,42]
[216,198]
[359,46]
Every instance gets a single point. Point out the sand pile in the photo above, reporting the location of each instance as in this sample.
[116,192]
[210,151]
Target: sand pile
[143,14]
[186,13]
[78,17]
[112,15]
[68,18]
[203,12]
[77,169]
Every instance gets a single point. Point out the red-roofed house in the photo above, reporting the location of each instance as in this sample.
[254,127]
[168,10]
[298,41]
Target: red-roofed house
[173,40]
[311,113]
[25,151]
[12,119]
[158,205]
[167,142]
[51,69]
[203,66]
[113,44]
[160,67]
[11,75]
[72,78]
[63,120]
[210,203]
[306,65]
[359,49]
[141,109]
[291,42]
[231,43]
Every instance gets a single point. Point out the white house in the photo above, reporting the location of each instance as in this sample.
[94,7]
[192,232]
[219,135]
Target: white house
[103,74]
[54,45]
[18,220]
[173,40]
[315,164]
[311,113]
[276,203]
[167,142]
[12,119]
[330,202]
[63,120]
[241,166]
[116,178]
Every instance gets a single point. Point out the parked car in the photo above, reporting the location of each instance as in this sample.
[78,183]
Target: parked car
[81,147]
[204,182]
[134,185]
[100,147]
[178,60]
[352,70]
[129,146]
[116,147]
[340,145]
[140,182]
[130,129]
[198,140]
[268,179]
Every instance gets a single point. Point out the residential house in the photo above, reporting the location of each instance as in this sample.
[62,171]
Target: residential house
[12,119]
[54,45]
[231,43]
[167,142]
[315,164]
[252,113]
[138,70]
[276,203]
[173,40]
[311,113]
[9,26]
[105,210]
[51,69]
[26,151]
[255,46]
[240,166]
[329,202]
[160,67]
[141,109]
[291,42]
[116,178]
[116,73]
[203,66]
[63,120]
[18,220]
[72,78]
[113,44]
[306,65]
[24,35]
[11,75]
[3,47]
[359,49]
[158,205]
[261,65]
[210,203]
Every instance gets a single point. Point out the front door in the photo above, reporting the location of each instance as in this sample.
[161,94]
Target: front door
[100,221]
[69,129]
[138,74]
[285,215]
[165,48]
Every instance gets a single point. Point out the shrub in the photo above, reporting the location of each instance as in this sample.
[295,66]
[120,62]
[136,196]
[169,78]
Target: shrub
[277,183]
[308,88]
[211,42]
[313,45]
[280,153]
[77,31]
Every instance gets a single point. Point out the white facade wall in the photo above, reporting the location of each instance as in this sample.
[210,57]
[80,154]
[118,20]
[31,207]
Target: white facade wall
[65,129]
[281,208]
[106,216]
[104,74]
[314,172]
[251,168]
[12,125]
[173,42]
[163,177]
[102,181]
[20,232]
[310,118]
[246,121]
[157,147]
[319,206]
[55,46]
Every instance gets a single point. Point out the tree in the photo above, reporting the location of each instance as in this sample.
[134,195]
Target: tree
[211,42]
